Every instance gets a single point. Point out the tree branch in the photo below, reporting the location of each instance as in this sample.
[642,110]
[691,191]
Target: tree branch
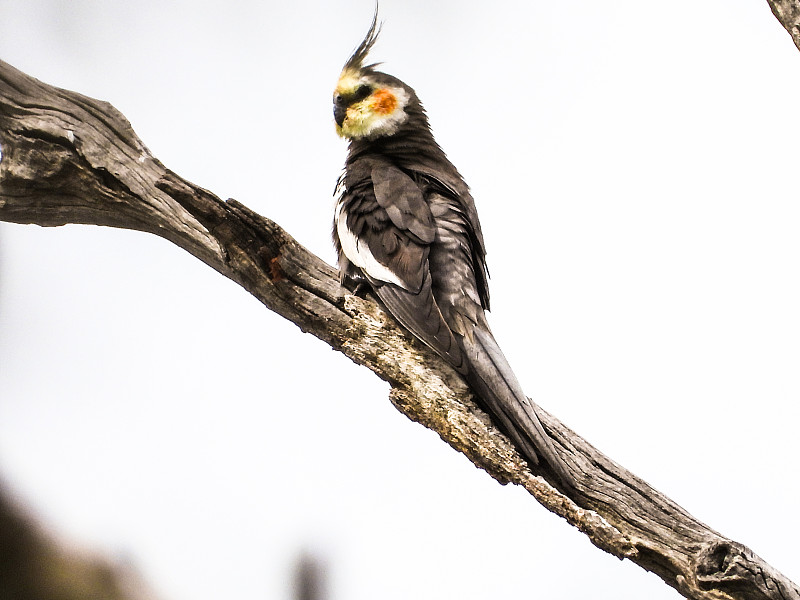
[788,14]
[71,159]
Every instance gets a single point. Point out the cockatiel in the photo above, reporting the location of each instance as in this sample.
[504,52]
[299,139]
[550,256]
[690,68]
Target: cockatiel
[406,225]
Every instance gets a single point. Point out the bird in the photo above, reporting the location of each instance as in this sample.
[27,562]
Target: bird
[406,228]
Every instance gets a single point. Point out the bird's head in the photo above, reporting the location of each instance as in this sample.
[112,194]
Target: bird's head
[368,104]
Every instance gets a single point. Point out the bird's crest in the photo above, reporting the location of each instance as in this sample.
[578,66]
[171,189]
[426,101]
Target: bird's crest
[356,61]
[368,104]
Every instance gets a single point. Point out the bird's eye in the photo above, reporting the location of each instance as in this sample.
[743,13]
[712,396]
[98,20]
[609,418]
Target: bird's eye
[362,92]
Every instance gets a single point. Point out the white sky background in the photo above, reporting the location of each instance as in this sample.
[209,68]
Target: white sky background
[635,168]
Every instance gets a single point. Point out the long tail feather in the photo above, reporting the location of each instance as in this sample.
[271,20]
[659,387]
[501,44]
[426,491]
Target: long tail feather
[491,377]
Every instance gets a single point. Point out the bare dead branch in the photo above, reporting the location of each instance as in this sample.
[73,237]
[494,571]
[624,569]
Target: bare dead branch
[788,14]
[71,159]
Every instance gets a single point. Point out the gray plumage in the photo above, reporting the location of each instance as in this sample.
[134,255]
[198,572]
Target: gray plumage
[406,224]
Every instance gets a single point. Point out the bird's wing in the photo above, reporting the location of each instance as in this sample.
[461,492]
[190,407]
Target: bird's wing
[403,201]
[414,307]
[450,185]
[419,313]
[384,227]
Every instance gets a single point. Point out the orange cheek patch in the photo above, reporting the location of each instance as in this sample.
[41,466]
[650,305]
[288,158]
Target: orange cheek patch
[383,102]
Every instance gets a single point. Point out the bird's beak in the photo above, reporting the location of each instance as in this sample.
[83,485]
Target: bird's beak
[339,113]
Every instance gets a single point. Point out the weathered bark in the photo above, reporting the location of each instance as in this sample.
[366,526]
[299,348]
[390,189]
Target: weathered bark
[788,13]
[71,159]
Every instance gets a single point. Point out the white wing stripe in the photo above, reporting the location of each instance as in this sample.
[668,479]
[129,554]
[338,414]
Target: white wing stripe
[360,255]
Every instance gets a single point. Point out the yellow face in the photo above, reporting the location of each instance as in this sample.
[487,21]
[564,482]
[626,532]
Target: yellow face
[369,110]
